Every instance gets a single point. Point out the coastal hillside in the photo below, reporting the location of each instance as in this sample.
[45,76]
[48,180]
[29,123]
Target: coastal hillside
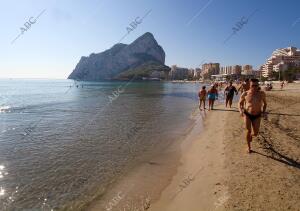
[151,69]
[142,58]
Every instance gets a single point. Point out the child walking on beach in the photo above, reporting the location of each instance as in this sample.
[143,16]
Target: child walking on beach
[212,95]
[202,97]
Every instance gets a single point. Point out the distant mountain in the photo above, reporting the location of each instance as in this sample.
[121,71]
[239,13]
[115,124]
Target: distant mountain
[142,58]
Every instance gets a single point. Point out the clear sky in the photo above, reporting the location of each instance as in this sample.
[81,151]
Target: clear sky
[190,31]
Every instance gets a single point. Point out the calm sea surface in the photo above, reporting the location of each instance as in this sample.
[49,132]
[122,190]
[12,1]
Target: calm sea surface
[62,143]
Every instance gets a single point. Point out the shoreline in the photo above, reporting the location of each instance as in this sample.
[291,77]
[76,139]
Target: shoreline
[198,183]
[209,168]
[142,183]
[161,182]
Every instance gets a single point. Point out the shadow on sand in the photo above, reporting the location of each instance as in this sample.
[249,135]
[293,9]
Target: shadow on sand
[279,157]
[268,113]
[282,158]
[281,114]
[230,110]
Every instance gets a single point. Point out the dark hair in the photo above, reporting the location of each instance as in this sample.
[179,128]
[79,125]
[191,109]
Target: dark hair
[254,80]
[203,87]
[247,79]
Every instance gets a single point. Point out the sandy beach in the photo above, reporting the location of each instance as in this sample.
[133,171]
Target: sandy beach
[216,173]
[268,179]
[209,169]
[199,182]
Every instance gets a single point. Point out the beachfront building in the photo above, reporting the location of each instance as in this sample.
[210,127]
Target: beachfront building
[178,73]
[191,73]
[280,60]
[231,70]
[209,69]
[280,67]
[247,70]
[220,77]
[197,73]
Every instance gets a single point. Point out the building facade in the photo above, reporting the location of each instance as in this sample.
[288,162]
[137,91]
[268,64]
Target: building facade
[178,73]
[209,69]
[197,73]
[247,70]
[280,60]
[231,70]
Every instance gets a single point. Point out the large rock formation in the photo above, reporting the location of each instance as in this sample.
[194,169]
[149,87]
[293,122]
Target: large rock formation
[122,62]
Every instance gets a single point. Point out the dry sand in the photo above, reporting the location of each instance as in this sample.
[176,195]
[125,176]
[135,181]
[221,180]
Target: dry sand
[216,173]
[268,179]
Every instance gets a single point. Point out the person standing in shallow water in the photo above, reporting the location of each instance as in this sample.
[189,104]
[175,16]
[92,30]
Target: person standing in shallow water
[202,97]
[252,106]
[212,95]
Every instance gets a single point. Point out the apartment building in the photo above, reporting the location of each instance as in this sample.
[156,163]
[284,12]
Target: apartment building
[280,60]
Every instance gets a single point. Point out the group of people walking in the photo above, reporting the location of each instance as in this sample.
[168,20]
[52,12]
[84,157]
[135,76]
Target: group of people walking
[212,95]
[252,104]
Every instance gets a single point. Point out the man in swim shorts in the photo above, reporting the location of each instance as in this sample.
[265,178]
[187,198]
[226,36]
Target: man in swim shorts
[229,94]
[252,106]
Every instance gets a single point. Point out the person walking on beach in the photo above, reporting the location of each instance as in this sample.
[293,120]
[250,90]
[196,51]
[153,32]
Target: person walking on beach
[229,94]
[245,86]
[202,97]
[281,85]
[212,95]
[252,106]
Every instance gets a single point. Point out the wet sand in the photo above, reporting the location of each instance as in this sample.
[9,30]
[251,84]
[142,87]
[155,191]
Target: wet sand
[199,183]
[141,185]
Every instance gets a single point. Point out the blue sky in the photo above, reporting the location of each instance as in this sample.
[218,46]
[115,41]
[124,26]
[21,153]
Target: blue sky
[190,31]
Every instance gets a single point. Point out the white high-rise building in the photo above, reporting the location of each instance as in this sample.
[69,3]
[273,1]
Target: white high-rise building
[231,70]
[280,60]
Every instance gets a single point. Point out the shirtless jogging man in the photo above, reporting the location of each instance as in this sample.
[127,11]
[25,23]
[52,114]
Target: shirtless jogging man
[252,106]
